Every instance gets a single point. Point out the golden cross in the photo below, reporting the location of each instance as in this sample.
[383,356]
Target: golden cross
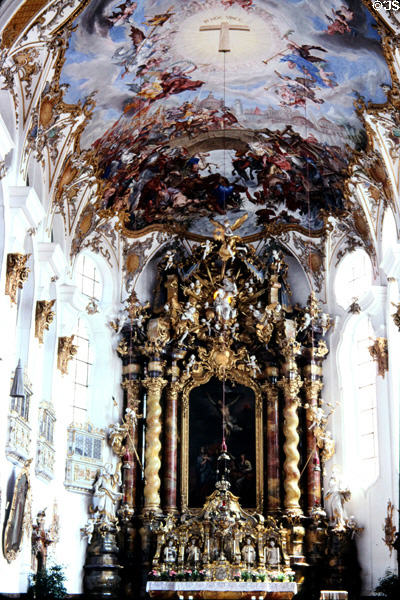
[224,29]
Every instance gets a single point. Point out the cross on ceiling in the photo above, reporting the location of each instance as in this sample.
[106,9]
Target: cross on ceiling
[224,28]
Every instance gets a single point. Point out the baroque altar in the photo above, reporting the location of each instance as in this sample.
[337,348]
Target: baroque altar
[224,438]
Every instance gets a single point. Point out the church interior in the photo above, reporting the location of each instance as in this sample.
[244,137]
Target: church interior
[199,292]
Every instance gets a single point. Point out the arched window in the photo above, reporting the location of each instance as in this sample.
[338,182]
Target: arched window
[366,401]
[354,277]
[80,373]
[88,278]
[358,373]
[389,231]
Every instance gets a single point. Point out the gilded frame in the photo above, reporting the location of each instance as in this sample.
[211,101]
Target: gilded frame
[242,378]
[16,521]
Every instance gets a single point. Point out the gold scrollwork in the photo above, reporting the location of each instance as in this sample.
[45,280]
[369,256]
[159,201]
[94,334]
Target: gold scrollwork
[17,274]
[379,352]
[66,351]
[43,317]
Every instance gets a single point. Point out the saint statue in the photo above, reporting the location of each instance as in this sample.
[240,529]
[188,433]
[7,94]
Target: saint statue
[248,553]
[193,554]
[170,553]
[337,495]
[272,554]
[106,494]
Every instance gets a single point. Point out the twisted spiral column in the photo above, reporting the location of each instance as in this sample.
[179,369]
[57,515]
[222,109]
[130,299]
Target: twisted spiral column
[291,387]
[154,386]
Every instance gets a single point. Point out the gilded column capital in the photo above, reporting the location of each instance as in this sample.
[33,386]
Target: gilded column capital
[16,275]
[44,316]
[154,384]
[291,386]
[290,348]
[271,391]
[312,388]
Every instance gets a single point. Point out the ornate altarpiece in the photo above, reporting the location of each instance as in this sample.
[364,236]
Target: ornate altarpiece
[221,312]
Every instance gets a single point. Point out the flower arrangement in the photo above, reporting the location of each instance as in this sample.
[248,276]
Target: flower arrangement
[280,576]
[195,574]
[183,575]
[257,576]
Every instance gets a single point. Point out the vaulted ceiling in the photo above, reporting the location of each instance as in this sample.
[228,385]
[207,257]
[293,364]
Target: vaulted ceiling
[142,124]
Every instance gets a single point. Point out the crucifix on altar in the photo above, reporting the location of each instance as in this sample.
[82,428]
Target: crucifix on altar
[224,28]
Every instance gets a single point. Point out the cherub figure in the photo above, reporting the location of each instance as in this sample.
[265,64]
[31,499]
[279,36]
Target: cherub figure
[170,262]
[207,323]
[206,249]
[88,530]
[252,364]
[189,314]
[192,360]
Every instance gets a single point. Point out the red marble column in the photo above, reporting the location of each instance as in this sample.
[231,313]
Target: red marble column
[170,450]
[313,386]
[130,463]
[272,444]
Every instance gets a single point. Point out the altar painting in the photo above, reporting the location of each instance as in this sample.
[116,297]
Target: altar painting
[205,436]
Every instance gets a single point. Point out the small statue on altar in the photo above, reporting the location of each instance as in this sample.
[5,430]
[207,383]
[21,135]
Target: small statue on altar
[193,554]
[248,553]
[170,553]
[272,554]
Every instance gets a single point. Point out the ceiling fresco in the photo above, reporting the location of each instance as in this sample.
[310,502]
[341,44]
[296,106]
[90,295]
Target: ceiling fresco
[183,132]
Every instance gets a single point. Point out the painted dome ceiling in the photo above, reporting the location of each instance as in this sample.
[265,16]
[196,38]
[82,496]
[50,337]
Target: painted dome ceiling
[183,132]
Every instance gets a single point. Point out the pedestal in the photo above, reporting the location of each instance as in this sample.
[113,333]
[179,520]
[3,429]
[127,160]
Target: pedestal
[101,579]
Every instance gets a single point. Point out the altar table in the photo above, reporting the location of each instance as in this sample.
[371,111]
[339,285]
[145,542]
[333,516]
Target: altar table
[221,590]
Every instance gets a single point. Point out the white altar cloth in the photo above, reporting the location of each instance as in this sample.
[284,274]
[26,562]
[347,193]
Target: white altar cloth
[220,586]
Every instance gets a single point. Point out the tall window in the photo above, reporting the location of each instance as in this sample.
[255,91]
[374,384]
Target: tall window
[88,278]
[354,277]
[20,406]
[80,372]
[366,402]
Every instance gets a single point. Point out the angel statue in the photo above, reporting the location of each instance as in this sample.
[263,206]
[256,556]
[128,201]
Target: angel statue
[223,232]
